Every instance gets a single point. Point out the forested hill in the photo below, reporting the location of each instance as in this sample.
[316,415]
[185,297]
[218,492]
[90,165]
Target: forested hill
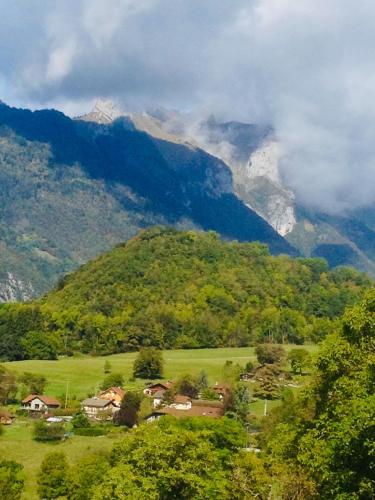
[71,189]
[181,289]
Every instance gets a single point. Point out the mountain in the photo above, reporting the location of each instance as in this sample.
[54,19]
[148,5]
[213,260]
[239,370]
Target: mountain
[181,289]
[253,154]
[71,189]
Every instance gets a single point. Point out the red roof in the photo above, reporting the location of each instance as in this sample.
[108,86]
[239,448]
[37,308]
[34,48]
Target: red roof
[117,390]
[47,400]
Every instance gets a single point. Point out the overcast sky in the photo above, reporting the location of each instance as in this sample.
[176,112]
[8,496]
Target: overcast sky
[305,66]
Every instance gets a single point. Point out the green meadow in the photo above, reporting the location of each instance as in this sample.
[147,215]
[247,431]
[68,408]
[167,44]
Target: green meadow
[84,374]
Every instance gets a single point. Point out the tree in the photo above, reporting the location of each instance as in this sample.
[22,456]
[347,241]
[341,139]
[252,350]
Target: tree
[155,463]
[299,359]
[107,366]
[269,353]
[112,380]
[40,345]
[80,420]
[48,432]
[187,385]
[128,412]
[8,386]
[148,364]
[33,382]
[86,475]
[12,480]
[248,479]
[52,476]
[202,380]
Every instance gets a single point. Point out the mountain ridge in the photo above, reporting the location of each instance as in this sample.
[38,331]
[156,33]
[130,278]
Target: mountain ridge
[73,188]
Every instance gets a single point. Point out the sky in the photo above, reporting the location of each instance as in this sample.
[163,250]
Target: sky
[305,67]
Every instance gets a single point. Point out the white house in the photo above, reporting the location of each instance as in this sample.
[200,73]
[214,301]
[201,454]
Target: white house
[39,403]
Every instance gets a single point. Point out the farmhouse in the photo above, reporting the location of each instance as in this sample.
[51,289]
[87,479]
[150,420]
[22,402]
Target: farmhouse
[157,387]
[39,403]
[99,408]
[115,394]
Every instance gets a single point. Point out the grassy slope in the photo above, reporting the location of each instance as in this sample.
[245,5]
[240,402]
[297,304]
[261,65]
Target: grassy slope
[17,444]
[85,373]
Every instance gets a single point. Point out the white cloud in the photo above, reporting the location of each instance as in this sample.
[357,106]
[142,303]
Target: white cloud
[305,67]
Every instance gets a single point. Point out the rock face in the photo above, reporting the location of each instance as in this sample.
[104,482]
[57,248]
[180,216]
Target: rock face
[14,290]
[260,185]
[253,155]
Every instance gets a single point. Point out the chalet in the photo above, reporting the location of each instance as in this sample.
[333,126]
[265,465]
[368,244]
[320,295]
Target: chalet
[158,387]
[115,394]
[6,418]
[39,403]
[99,408]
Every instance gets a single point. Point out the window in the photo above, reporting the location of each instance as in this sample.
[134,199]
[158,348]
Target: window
[36,406]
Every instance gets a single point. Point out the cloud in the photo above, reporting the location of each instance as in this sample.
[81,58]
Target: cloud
[305,67]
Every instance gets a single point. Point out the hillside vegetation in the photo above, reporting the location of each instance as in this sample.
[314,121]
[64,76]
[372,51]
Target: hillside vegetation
[175,289]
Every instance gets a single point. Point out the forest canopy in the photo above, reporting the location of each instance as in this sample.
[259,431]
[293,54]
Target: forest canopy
[170,289]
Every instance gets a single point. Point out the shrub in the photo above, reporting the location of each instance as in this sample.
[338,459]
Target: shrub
[48,432]
[90,431]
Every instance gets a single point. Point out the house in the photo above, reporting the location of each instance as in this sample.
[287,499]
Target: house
[158,387]
[198,408]
[6,418]
[181,402]
[115,394]
[39,403]
[99,408]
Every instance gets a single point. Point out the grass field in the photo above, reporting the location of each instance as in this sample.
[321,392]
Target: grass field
[17,444]
[85,374]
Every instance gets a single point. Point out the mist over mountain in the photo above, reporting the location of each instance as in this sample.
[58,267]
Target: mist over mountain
[255,154]
[74,188]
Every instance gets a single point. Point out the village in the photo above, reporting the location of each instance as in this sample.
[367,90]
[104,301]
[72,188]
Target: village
[104,406]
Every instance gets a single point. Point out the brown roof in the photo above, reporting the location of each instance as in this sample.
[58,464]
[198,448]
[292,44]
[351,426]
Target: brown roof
[194,411]
[47,400]
[180,399]
[213,403]
[165,385]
